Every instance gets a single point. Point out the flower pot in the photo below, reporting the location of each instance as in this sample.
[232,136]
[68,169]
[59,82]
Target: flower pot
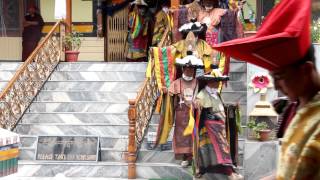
[264,135]
[72,56]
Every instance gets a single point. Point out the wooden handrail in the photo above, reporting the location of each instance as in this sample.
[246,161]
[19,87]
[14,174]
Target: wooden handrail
[140,111]
[28,61]
[30,77]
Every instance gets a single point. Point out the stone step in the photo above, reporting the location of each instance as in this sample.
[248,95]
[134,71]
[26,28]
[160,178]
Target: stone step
[79,106]
[90,106]
[80,118]
[102,66]
[105,75]
[234,96]
[67,96]
[108,142]
[97,86]
[100,170]
[97,76]
[114,86]
[260,158]
[3,85]
[238,76]
[75,129]
[6,75]
[60,177]
[235,86]
[9,66]
[237,66]
[116,155]
[111,142]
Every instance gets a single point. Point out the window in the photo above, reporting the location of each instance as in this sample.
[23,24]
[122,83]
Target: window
[10,18]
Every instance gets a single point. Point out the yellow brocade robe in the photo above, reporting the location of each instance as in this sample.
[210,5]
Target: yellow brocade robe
[204,50]
[163,21]
[300,151]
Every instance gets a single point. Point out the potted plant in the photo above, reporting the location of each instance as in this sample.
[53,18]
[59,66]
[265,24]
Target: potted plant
[261,130]
[250,125]
[72,43]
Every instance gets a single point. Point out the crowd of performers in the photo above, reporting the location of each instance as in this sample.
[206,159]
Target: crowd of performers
[190,76]
[147,25]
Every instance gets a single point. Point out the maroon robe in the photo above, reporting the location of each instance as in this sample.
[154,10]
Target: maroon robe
[31,35]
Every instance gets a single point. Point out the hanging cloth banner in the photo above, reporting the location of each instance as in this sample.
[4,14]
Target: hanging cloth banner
[164,66]
[60,9]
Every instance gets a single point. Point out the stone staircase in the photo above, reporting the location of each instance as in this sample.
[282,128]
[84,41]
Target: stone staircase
[91,99]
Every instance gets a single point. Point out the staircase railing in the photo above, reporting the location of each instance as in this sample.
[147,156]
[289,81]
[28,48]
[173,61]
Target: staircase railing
[30,77]
[140,112]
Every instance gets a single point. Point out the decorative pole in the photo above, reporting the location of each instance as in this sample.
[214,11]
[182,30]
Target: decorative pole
[69,15]
[131,158]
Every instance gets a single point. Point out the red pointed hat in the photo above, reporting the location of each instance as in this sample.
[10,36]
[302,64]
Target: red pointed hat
[283,38]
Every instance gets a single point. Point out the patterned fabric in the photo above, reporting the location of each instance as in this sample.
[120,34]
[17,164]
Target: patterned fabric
[181,144]
[214,150]
[212,38]
[229,26]
[164,66]
[180,17]
[300,151]
[212,18]
[163,21]
[181,91]
[216,130]
[204,50]
[138,36]
[285,119]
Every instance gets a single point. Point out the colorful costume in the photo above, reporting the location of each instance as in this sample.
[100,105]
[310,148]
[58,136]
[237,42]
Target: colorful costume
[163,21]
[138,34]
[213,148]
[300,151]
[199,47]
[212,20]
[183,92]
[204,51]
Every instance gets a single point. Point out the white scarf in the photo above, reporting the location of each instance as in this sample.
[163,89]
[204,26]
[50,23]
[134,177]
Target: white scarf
[213,92]
[187,78]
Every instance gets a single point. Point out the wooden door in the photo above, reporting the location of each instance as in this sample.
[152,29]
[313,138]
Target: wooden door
[116,36]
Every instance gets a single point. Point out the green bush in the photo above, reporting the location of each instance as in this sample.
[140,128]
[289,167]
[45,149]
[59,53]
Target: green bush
[72,41]
[256,127]
[315,31]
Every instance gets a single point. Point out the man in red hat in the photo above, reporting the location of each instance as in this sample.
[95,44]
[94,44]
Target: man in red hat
[283,46]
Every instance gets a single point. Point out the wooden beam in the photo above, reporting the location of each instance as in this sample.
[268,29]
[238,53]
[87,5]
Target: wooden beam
[69,15]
